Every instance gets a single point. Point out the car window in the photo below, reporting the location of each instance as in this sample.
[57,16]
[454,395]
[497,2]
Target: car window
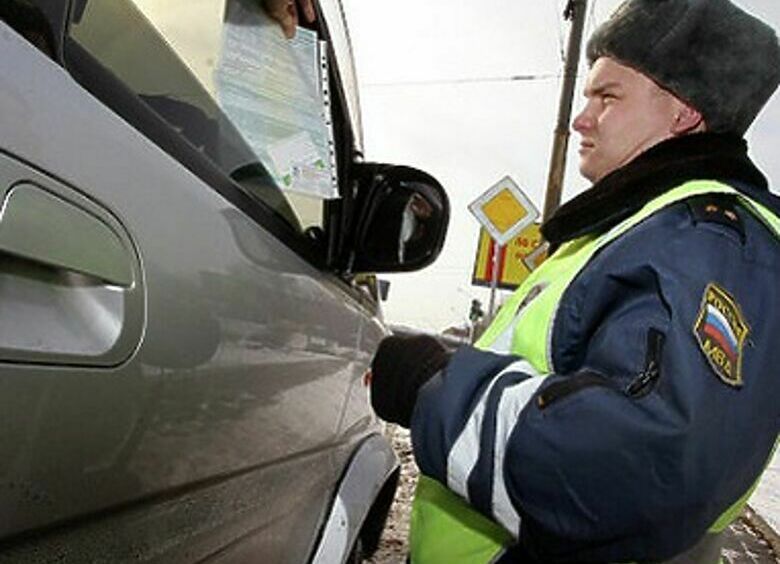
[221,74]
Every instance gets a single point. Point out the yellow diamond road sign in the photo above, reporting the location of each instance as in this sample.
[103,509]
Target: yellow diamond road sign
[504,210]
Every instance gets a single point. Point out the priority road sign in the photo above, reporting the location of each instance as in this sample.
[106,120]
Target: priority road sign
[504,210]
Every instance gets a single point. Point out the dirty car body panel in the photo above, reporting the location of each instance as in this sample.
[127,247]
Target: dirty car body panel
[180,369]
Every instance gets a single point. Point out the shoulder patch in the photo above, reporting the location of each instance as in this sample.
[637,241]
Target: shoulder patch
[717,208]
[721,331]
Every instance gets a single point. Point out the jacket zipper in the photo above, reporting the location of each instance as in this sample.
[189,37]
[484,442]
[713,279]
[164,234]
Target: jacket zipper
[639,387]
[646,380]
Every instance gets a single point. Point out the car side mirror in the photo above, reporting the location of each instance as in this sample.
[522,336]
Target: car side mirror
[401,219]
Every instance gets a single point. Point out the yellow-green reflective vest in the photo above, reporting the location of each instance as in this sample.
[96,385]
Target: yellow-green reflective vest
[444,528]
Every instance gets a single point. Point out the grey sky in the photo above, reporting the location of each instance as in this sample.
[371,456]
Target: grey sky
[471,133]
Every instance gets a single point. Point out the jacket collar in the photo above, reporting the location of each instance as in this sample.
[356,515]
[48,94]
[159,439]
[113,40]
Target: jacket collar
[623,192]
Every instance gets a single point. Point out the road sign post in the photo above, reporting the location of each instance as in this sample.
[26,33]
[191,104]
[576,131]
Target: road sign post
[493,278]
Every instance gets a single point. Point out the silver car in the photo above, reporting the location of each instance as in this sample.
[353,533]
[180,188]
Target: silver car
[184,330]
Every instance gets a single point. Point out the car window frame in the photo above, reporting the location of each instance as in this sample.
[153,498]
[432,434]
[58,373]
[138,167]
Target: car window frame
[112,92]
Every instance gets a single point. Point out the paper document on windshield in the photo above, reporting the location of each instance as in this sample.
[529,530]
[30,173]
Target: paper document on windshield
[276,92]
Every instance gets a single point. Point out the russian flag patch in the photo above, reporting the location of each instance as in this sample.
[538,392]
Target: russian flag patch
[721,331]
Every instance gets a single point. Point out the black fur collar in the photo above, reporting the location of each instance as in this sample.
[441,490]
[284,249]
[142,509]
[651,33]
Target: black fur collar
[620,194]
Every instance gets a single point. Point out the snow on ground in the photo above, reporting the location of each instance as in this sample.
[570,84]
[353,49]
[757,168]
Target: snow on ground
[744,545]
[766,499]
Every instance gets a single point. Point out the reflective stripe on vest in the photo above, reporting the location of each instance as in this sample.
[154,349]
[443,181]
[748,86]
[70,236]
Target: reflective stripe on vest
[444,528]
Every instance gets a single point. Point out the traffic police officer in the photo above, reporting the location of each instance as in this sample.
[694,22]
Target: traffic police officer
[623,403]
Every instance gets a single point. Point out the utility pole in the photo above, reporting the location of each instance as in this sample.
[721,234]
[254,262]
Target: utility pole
[575,11]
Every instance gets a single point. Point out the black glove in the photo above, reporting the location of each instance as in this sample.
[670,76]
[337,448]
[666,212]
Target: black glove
[400,368]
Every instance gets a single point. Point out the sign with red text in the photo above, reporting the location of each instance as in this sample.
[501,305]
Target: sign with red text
[516,259]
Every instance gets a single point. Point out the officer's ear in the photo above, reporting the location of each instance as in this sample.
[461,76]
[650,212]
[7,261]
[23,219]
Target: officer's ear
[687,119]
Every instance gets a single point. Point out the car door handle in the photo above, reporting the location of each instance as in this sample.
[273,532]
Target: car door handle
[46,229]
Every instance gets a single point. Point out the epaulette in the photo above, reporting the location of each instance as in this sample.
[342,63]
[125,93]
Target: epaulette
[717,208]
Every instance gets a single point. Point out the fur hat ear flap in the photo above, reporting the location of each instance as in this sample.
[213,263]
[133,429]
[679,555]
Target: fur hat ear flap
[709,53]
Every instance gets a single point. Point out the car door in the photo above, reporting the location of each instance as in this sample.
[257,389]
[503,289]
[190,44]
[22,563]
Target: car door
[186,397]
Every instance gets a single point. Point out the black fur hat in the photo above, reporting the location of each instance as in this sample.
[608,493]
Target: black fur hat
[709,53]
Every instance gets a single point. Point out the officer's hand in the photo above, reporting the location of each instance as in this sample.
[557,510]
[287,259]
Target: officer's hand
[400,368]
[286,12]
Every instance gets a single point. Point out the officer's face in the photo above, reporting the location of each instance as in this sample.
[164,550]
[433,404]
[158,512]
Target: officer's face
[626,113]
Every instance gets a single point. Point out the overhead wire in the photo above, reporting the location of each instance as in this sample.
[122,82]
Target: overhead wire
[497,79]
[465,80]
[491,79]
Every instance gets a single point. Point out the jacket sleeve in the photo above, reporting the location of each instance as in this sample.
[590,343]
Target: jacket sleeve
[636,444]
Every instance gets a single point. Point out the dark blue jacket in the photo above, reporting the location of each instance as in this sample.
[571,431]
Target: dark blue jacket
[636,444]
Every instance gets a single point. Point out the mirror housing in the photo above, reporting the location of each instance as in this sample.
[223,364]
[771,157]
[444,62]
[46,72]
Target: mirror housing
[400,222]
